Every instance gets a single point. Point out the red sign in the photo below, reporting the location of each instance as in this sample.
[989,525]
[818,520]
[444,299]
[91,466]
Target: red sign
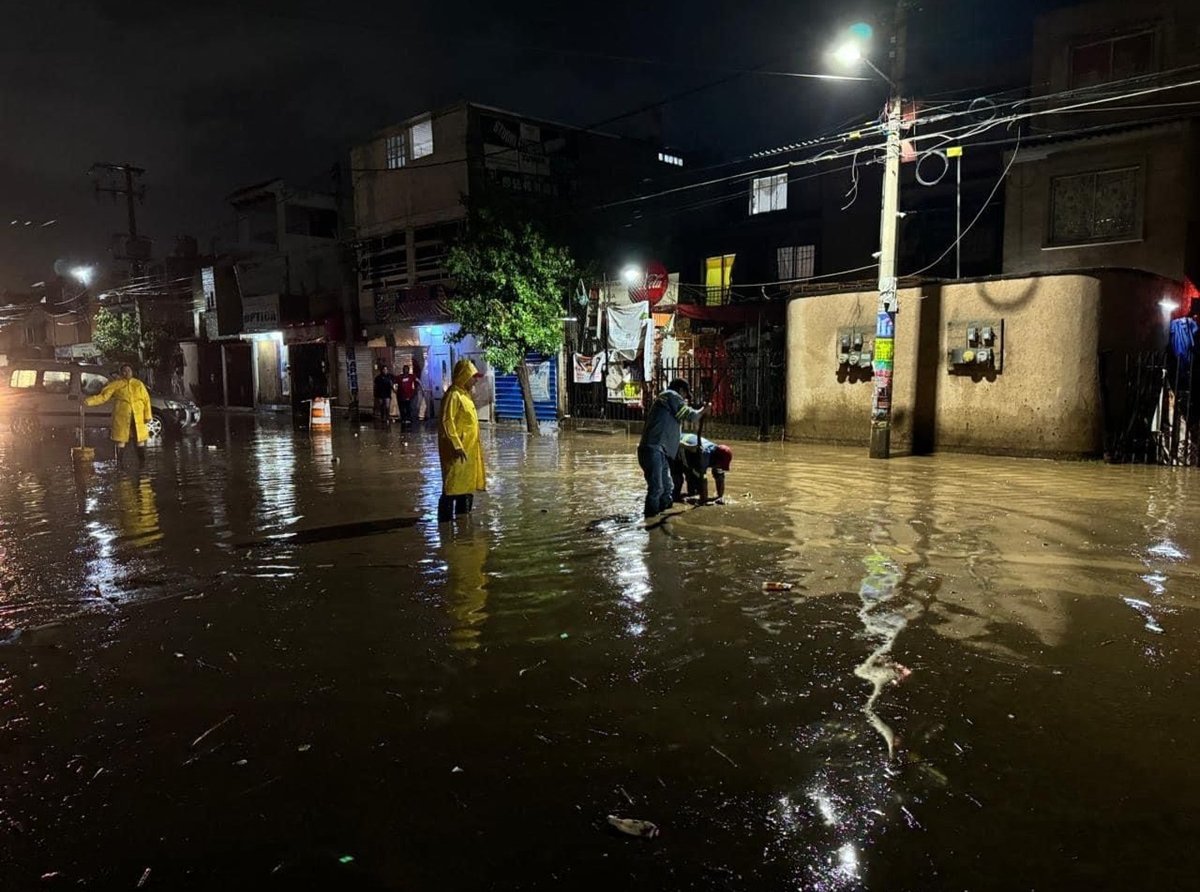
[654,286]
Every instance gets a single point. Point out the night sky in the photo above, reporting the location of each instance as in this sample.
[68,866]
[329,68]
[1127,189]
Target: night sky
[211,96]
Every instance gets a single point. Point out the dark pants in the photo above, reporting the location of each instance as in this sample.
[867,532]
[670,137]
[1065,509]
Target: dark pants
[406,414]
[657,470]
[383,405]
[448,506]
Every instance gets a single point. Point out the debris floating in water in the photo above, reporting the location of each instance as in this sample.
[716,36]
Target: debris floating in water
[345,859]
[145,877]
[228,718]
[777,587]
[634,827]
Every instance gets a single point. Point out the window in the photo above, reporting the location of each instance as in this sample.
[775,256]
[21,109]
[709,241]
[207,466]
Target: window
[22,378]
[35,333]
[421,138]
[208,284]
[56,381]
[397,151]
[718,272]
[668,158]
[92,383]
[795,262]
[1102,206]
[1113,59]
[768,194]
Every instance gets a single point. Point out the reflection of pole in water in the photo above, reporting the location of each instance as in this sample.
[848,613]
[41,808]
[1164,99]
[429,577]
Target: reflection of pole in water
[882,625]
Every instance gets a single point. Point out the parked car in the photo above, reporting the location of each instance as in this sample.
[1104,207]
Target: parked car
[43,393]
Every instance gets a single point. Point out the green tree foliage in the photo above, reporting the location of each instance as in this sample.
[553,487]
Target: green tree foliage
[117,338]
[510,288]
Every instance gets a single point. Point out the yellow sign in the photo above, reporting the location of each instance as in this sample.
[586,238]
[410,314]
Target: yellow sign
[954,152]
[885,349]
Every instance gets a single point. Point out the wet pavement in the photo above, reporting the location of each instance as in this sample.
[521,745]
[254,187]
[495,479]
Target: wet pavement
[260,664]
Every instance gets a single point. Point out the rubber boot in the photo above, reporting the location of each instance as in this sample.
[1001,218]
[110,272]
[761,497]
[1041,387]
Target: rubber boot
[446,509]
[464,504]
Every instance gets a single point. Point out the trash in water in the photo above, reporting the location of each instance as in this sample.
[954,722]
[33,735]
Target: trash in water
[145,876]
[456,770]
[564,635]
[777,587]
[304,747]
[345,859]
[634,827]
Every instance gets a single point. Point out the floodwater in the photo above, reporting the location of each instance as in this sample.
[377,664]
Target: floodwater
[260,664]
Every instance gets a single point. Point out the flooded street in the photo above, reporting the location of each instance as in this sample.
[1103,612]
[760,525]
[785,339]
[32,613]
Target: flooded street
[261,664]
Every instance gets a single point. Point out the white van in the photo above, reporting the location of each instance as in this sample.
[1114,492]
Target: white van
[44,393]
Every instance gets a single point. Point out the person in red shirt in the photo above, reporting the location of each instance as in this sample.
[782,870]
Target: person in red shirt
[406,391]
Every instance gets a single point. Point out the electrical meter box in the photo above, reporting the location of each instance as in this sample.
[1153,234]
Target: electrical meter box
[855,346]
[976,346]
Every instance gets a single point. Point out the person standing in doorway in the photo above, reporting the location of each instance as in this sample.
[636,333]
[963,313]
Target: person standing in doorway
[130,413]
[660,442]
[383,393]
[459,449]
[406,394]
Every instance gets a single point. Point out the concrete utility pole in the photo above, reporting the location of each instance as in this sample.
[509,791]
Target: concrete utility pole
[121,182]
[889,222]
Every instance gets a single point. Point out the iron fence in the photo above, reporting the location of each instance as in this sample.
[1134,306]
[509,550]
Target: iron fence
[1150,413]
[745,389]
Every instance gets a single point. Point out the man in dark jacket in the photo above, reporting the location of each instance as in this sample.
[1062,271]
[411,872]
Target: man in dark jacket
[384,384]
[660,442]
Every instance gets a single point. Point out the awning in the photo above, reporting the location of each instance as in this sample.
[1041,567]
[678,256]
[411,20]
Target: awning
[415,312]
[732,314]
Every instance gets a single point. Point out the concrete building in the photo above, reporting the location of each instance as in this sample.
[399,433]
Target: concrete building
[1124,192]
[38,326]
[269,308]
[411,182]
[1049,386]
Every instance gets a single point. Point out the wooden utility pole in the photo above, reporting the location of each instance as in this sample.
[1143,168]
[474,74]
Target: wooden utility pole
[889,222]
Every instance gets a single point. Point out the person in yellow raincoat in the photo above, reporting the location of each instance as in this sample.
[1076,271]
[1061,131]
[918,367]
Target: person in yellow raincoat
[459,448]
[130,413]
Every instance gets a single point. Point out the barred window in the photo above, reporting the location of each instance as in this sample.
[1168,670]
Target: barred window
[795,262]
[1099,206]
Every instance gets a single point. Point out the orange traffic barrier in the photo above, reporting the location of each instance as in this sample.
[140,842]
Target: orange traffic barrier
[319,417]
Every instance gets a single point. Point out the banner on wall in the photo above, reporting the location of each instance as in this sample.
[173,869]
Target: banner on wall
[539,381]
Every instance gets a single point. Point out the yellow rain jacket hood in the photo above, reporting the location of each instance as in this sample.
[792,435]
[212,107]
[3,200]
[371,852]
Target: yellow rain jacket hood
[131,405]
[458,429]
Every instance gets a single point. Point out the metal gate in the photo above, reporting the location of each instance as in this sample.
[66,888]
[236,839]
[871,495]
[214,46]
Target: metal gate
[1150,411]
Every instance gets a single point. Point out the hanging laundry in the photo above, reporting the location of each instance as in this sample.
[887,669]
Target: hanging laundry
[625,331]
[1183,338]
[588,369]
[648,350]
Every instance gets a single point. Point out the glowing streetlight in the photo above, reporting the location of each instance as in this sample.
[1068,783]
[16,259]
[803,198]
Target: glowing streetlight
[632,275]
[848,54]
[83,274]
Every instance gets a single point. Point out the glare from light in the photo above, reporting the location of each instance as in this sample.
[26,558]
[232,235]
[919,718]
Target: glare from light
[632,275]
[849,53]
[83,274]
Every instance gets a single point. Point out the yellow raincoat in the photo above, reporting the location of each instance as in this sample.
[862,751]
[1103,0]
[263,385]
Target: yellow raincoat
[458,428]
[131,401]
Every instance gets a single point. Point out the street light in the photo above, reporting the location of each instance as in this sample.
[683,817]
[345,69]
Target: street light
[83,274]
[632,275]
[851,51]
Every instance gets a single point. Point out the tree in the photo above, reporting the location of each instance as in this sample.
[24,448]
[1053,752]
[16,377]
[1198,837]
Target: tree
[117,337]
[510,286]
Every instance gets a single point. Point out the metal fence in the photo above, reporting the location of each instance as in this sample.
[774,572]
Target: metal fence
[1150,413]
[746,390]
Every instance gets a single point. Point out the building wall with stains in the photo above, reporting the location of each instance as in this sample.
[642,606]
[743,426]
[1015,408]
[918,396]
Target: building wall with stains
[1044,399]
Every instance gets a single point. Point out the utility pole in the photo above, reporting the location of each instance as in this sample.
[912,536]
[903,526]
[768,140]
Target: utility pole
[120,181]
[885,316]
